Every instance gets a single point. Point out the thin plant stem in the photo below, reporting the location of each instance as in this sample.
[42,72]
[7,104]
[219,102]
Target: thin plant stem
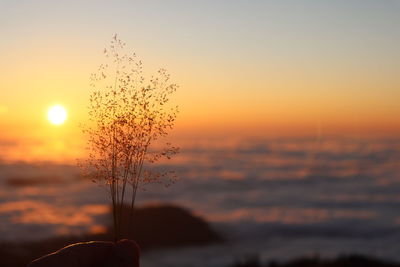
[128,114]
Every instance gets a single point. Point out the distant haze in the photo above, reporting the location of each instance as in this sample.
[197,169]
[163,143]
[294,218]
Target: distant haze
[245,68]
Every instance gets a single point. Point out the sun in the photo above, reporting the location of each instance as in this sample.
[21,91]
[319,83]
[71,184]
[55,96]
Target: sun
[57,114]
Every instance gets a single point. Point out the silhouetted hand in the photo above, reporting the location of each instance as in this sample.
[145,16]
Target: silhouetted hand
[124,253]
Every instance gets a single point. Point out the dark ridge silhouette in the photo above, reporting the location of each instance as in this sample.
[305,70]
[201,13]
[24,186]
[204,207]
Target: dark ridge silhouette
[153,227]
[342,261]
[166,226]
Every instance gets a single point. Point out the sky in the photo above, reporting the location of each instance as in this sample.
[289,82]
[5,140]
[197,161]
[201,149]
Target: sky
[245,68]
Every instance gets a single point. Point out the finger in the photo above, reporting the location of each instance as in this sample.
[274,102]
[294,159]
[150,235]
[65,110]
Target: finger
[77,255]
[127,253]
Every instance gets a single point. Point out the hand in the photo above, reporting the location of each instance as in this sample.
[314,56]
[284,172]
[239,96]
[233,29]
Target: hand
[124,253]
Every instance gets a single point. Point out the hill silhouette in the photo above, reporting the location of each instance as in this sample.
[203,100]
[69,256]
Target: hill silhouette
[342,261]
[152,227]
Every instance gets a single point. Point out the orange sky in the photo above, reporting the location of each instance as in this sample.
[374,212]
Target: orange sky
[261,69]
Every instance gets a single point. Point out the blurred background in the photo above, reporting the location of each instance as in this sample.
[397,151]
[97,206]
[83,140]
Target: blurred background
[289,125]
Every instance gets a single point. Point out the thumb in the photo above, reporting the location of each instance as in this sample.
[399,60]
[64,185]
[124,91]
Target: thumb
[77,255]
[126,254]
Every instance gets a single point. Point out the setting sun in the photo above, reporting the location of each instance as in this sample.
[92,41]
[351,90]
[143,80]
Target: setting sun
[57,114]
[215,133]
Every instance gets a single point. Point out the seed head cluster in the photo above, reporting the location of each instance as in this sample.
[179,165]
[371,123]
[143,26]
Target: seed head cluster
[127,115]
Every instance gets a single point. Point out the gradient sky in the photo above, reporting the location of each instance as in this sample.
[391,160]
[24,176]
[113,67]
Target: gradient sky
[244,67]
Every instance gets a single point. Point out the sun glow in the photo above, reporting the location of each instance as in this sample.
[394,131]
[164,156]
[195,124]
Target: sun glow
[57,114]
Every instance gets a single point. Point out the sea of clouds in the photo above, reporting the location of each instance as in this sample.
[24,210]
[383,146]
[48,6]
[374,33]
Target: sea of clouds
[279,198]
